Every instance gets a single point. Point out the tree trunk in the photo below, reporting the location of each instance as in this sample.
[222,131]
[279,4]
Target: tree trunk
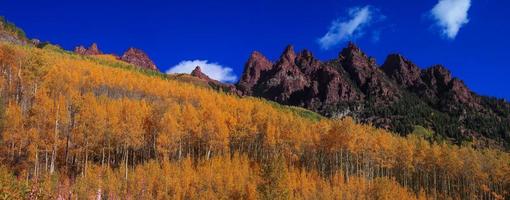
[180,149]
[102,157]
[126,162]
[36,164]
[208,153]
[86,159]
[52,163]
[53,152]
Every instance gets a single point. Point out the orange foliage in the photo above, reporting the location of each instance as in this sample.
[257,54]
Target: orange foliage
[125,133]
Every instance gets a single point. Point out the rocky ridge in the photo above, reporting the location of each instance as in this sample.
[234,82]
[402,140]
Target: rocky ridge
[397,95]
[92,50]
[132,55]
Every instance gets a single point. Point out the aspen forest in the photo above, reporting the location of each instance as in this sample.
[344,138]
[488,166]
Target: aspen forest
[93,127]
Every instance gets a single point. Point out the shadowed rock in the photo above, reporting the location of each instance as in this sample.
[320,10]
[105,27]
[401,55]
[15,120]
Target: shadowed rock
[353,84]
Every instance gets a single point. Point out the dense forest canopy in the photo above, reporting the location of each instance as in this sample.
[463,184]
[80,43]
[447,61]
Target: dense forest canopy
[91,126]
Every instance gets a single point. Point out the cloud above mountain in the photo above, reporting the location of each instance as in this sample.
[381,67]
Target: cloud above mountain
[349,28]
[213,70]
[451,15]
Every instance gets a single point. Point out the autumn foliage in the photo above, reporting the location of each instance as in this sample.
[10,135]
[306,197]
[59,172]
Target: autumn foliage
[92,127]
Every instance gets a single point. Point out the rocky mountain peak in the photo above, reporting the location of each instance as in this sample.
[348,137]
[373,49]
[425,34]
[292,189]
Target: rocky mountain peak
[254,67]
[351,45]
[197,72]
[92,50]
[305,55]
[138,58]
[366,74]
[354,85]
[307,62]
[354,59]
[403,71]
[258,62]
[214,84]
[288,55]
[350,52]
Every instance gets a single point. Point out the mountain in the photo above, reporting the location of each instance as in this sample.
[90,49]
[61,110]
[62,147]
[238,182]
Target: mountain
[133,56]
[92,50]
[138,58]
[398,95]
[96,127]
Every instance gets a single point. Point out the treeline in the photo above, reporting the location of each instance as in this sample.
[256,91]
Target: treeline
[72,127]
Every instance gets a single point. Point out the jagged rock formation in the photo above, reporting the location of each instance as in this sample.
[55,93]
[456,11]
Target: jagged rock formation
[397,95]
[255,65]
[366,74]
[92,50]
[133,56]
[197,72]
[138,58]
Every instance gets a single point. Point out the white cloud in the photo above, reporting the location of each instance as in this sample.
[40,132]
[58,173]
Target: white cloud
[213,70]
[340,31]
[451,15]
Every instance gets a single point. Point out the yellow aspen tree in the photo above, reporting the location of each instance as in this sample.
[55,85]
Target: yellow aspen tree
[171,137]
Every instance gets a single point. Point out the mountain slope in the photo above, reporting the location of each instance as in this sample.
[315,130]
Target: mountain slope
[11,33]
[95,127]
[102,127]
[397,95]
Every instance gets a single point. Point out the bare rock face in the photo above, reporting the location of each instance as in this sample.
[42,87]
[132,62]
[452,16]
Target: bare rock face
[441,88]
[434,85]
[390,96]
[437,77]
[197,72]
[138,58]
[298,79]
[284,78]
[302,80]
[92,50]
[460,93]
[335,87]
[366,74]
[254,67]
[403,71]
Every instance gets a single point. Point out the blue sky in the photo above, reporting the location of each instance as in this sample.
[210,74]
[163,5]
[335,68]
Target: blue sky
[473,41]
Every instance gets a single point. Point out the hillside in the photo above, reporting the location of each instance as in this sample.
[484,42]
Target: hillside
[398,95]
[79,126]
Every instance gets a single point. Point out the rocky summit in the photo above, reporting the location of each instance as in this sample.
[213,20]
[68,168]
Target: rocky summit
[92,50]
[139,58]
[214,84]
[132,56]
[399,95]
